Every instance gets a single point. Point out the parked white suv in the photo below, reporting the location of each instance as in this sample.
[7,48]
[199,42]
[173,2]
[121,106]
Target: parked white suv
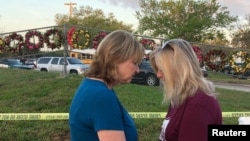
[73,65]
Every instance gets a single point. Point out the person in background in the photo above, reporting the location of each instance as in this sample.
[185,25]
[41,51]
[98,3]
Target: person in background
[96,113]
[192,99]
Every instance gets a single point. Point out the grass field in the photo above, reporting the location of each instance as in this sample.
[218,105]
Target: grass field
[28,91]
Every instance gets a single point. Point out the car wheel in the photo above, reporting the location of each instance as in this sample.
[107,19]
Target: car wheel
[73,72]
[152,80]
[44,70]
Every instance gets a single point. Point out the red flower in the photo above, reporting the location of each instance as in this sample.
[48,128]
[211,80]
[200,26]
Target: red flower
[215,59]
[57,38]
[31,45]
[16,40]
[198,53]
[98,38]
[148,43]
[69,36]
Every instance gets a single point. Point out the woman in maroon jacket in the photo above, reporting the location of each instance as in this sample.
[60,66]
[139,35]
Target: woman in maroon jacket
[191,97]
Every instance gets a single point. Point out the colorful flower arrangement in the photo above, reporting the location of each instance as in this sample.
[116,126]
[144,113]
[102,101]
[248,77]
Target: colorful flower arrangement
[81,39]
[14,42]
[69,36]
[198,53]
[53,38]
[30,40]
[148,43]
[215,59]
[98,38]
[244,60]
[2,44]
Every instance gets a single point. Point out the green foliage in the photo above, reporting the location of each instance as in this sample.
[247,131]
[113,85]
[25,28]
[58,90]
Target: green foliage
[29,91]
[188,19]
[242,35]
[92,20]
[241,39]
[95,18]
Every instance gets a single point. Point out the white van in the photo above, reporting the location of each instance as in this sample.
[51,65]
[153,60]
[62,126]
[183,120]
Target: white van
[73,65]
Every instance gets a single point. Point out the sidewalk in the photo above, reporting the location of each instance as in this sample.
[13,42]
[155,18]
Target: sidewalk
[233,86]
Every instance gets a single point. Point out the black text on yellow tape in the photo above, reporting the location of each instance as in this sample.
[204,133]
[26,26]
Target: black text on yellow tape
[65,116]
[34,116]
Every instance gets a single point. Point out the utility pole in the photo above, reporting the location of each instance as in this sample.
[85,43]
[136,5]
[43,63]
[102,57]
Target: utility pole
[70,4]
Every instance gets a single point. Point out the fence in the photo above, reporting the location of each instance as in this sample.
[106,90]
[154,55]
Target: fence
[39,41]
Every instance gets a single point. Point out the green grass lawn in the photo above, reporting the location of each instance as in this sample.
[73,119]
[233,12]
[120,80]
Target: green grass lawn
[28,91]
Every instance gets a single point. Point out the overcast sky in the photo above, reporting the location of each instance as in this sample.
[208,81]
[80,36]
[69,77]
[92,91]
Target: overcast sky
[16,15]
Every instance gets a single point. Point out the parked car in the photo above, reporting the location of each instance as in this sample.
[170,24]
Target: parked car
[245,75]
[204,71]
[56,64]
[227,69]
[4,63]
[30,62]
[16,63]
[146,75]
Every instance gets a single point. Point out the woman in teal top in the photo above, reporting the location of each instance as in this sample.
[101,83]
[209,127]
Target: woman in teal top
[96,113]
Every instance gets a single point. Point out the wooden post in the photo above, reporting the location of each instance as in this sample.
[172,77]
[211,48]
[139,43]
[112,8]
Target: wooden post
[70,4]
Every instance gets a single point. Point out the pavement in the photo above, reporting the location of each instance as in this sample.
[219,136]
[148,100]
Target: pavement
[233,86]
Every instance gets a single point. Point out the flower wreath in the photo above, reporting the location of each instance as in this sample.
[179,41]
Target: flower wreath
[2,44]
[148,43]
[198,53]
[245,61]
[31,35]
[215,59]
[69,36]
[80,39]
[98,38]
[17,41]
[57,38]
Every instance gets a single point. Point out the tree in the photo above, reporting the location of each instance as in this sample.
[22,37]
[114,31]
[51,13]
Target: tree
[217,39]
[88,17]
[241,39]
[242,35]
[192,20]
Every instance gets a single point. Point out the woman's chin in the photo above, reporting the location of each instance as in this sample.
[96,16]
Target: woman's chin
[126,81]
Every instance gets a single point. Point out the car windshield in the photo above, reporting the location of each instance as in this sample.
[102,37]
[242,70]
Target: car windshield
[74,61]
[15,62]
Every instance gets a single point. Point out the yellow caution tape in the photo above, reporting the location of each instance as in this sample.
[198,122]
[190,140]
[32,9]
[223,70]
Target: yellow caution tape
[235,114]
[34,116]
[65,116]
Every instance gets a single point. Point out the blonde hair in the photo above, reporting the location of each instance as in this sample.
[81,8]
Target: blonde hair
[181,70]
[117,47]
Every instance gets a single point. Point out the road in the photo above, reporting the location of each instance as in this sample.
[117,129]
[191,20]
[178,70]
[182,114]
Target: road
[233,86]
